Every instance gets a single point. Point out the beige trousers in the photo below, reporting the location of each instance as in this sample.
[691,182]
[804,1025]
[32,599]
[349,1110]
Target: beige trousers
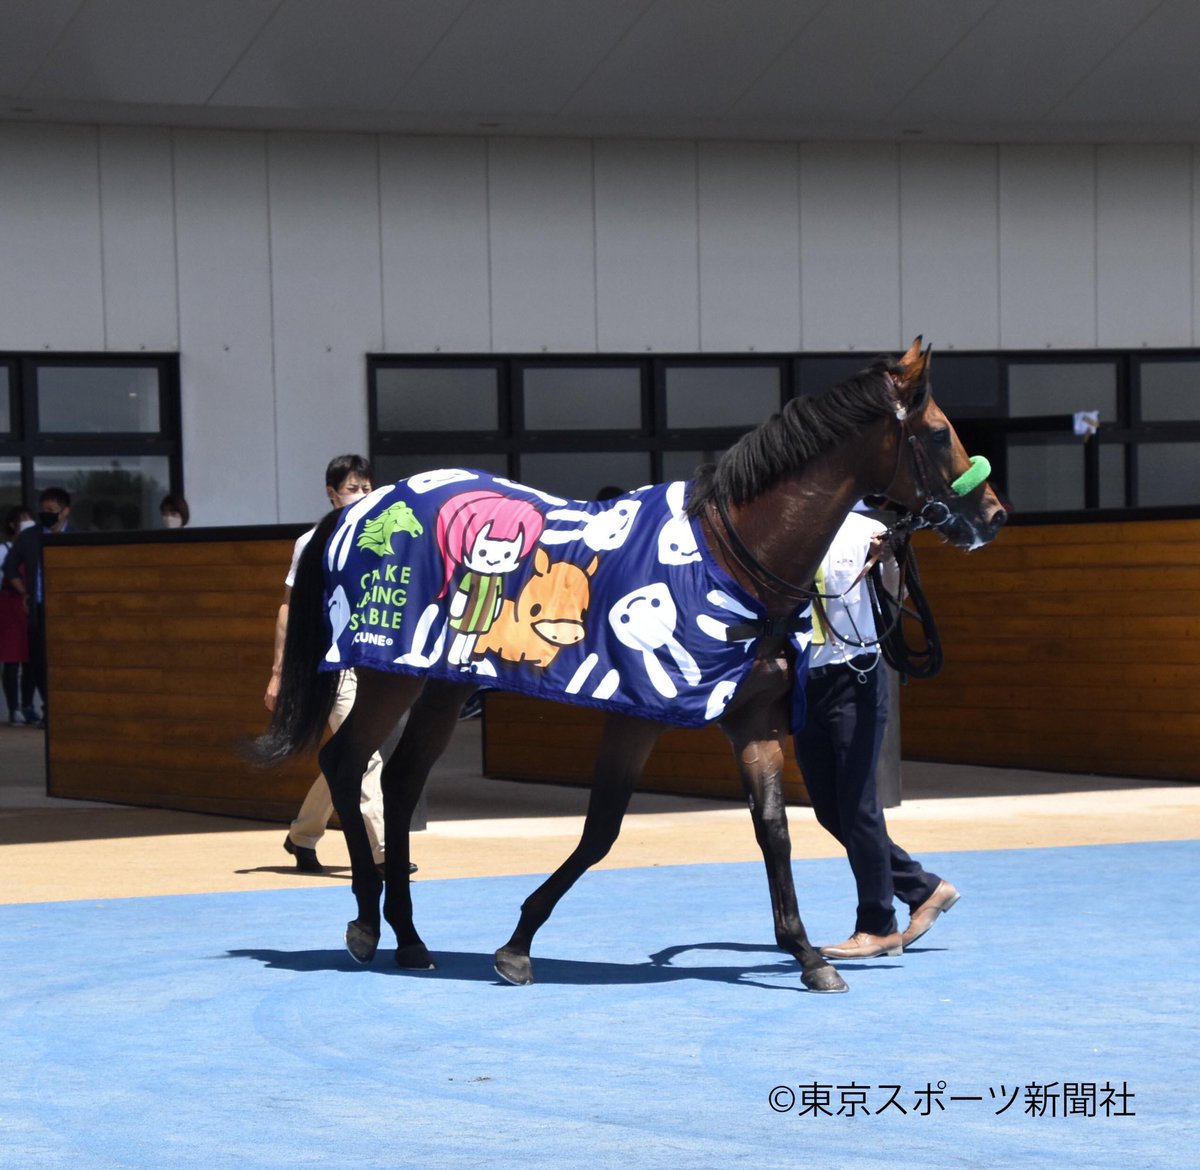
[314,815]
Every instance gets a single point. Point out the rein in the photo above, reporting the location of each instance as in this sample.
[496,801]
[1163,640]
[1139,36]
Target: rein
[888,612]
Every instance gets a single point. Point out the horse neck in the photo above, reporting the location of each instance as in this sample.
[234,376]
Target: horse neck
[789,527]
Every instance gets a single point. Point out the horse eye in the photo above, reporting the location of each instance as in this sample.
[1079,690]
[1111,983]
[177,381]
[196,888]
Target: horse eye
[941,436]
[535,609]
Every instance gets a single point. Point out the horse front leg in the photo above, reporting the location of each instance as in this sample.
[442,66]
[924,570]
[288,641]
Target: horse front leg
[624,748]
[431,724]
[760,754]
[380,701]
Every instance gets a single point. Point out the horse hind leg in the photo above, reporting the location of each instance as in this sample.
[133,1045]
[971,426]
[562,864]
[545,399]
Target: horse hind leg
[431,724]
[624,749]
[380,701]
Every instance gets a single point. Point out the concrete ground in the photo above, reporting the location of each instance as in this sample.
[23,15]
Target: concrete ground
[58,850]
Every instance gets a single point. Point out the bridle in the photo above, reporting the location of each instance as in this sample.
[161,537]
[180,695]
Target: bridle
[938,493]
[933,488]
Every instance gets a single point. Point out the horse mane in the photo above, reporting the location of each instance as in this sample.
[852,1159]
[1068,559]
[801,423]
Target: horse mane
[804,428]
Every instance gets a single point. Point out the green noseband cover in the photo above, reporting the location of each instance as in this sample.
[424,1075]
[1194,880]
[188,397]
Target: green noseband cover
[970,479]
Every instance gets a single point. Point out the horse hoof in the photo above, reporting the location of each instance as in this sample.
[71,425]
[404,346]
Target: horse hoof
[414,957]
[361,943]
[514,967]
[823,979]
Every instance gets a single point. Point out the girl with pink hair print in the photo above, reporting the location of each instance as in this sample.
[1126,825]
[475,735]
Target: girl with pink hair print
[489,535]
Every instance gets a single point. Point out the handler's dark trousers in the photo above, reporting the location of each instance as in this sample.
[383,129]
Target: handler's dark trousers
[837,750]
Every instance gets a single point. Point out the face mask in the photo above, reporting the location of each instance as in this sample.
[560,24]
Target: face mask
[25,524]
[48,519]
[173,521]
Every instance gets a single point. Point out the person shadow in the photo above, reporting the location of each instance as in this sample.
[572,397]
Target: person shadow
[288,868]
[780,974]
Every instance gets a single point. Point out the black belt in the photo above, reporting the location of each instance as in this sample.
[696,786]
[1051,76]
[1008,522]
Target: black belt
[861,664]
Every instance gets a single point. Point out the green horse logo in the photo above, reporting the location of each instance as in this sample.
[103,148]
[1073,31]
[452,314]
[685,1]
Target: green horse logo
[377,533]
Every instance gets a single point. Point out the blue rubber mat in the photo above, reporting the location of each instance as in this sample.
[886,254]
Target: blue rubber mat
[1049,1020]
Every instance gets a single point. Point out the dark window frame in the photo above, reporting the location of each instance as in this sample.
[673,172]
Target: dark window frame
[513,441]
[991,425]
[26,443]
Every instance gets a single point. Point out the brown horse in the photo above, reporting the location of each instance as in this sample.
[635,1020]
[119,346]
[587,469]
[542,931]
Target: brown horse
[766,513]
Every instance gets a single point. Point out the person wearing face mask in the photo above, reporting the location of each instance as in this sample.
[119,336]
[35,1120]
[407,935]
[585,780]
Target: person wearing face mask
[347,480]
[14,630]
[23,573]
[174,511]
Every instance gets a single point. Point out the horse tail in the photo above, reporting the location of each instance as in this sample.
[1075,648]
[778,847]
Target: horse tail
[306,694]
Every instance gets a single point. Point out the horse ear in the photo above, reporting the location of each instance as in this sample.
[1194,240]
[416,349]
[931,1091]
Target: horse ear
[541,561]
[914,368]
[914,352]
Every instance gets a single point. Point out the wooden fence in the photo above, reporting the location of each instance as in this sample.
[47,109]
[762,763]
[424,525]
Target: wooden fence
[1069,647]
[531,739]
[1072,647]
[159,650]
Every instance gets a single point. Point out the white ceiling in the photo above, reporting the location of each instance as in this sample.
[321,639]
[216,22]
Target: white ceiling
[942,70]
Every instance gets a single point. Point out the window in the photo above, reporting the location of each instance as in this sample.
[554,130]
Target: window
[576,425]
[432,398]
[1144,454]
[721,396]
[105,428]
[570,398]
[1170,391]
[571,426]
[1062,388]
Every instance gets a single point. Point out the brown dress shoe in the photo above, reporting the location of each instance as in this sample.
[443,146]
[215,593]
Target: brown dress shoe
[862,945]
[925,915]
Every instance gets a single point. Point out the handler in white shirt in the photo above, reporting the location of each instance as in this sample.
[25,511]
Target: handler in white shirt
[838,750]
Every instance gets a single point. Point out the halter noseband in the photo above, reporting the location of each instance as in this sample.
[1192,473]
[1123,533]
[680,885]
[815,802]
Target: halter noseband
[933,487]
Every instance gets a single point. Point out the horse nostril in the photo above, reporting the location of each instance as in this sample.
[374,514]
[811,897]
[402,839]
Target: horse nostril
[998,519]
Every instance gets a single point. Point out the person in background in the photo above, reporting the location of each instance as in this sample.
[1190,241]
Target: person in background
[23,573]
[838,750]
[106,517]
[347,480]
[14,629]
[174,511]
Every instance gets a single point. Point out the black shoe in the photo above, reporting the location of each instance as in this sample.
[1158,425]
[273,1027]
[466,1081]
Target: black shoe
[306,859]
[412,868]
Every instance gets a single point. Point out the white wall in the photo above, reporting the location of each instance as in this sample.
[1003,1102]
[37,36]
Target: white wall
[275,261]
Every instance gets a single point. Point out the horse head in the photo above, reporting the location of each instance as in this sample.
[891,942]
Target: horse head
[931,473]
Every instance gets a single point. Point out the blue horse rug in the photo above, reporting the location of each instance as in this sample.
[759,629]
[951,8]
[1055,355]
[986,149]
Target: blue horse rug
[615,604]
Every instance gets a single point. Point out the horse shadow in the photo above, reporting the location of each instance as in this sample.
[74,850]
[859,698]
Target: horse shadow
[477,967]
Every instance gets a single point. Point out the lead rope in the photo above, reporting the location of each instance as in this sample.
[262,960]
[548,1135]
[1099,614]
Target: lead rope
[872,572]
[909,661]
